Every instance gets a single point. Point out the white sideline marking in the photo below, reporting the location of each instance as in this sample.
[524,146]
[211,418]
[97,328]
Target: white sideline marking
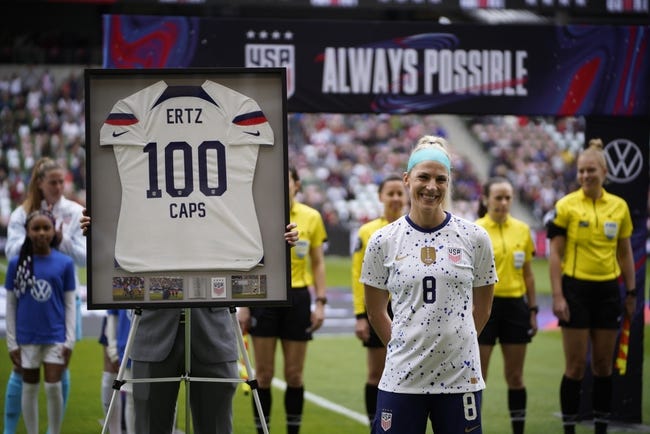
[329,405]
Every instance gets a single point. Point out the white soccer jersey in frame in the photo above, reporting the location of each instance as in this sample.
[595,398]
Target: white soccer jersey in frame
[186,157]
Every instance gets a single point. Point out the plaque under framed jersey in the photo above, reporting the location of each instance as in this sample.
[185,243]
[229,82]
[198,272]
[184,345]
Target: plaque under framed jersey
[186,169]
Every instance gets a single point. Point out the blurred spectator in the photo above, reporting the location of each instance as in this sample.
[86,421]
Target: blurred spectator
[537,154]
[340,158]
[41,115]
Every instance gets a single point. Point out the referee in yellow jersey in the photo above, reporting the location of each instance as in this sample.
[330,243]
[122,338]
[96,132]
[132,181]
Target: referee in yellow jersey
[590,249]
[513,320]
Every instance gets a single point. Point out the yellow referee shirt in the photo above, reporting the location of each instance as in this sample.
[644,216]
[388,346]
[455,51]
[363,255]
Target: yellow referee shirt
[593,228]
[311,233]
[513,246]
[365,231]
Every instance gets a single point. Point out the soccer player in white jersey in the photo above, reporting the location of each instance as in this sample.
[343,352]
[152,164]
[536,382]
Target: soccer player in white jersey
[439,272]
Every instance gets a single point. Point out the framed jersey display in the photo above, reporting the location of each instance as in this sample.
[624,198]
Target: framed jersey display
[187,187]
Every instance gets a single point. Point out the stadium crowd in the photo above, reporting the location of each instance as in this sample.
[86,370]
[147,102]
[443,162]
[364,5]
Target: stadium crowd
[40,116]
[537,154]
[340,158]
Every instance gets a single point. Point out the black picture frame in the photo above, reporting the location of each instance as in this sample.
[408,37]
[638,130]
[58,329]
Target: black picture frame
[112,287]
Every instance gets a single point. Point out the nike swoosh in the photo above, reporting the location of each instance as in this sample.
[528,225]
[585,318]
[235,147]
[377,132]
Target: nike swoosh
[470,429]
[256,133]
[116,134]
[399,258]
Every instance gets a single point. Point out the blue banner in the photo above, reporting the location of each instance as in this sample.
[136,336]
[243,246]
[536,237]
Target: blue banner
[407,67]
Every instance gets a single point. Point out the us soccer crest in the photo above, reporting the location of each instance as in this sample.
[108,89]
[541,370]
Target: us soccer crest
[386,420]
[455,254]
[268,52]
[428,255]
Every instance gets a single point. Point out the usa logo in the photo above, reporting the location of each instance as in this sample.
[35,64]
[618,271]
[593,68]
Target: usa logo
[272,54]
[41,291]
[454,254]
[386,420]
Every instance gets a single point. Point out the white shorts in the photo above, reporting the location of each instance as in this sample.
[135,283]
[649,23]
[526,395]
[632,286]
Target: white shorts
[32,356]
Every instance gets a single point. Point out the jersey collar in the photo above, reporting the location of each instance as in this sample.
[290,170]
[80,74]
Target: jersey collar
[603,197]
[493,223]
[428,230]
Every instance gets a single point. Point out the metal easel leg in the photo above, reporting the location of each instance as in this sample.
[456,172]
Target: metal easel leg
[252,382]
[188,361]
[119,381]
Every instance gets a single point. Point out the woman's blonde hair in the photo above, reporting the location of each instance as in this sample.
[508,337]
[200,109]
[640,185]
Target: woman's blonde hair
[432,141]
[595,148]
[35,196]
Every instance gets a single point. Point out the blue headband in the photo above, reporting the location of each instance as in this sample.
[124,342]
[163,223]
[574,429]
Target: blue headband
[428,154]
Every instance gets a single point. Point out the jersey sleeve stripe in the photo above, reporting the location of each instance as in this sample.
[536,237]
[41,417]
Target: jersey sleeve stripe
[121,119]
[252,118]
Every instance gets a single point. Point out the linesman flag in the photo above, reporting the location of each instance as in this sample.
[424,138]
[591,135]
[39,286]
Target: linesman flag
[623,345]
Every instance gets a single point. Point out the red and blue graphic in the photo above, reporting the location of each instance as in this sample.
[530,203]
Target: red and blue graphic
[397,67]
[148,41]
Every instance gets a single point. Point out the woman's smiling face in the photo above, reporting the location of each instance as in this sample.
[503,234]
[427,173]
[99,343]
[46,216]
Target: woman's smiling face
[427,183]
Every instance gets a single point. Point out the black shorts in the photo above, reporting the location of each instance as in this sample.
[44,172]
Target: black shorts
[592,305]
[509,322]
[285,322]
[374,341]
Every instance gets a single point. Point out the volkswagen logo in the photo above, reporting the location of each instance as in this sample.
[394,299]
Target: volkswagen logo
[42,290]
[624,160]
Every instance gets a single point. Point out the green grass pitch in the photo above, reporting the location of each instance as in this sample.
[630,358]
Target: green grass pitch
[335,375]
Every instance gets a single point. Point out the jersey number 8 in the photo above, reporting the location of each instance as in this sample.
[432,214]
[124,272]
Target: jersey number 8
[429,286]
